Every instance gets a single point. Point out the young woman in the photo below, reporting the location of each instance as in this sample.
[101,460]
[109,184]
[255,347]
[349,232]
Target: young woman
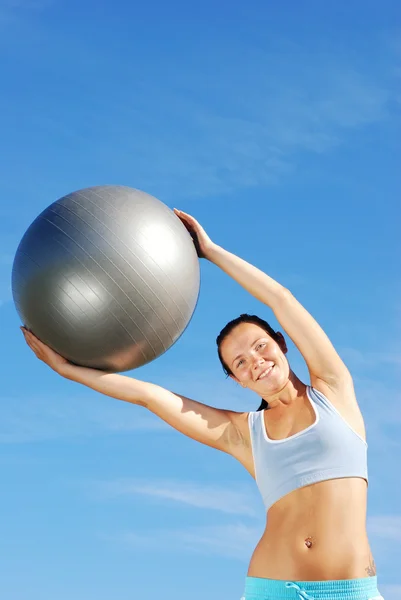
[305,446]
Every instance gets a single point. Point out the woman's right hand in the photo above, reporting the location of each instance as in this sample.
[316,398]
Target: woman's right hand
[45,353]
[203,244]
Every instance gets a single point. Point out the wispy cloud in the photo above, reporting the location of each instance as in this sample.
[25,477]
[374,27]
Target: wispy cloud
[41,419]
[372,394]
[15,11]
[8,246]
[379,398]
[385,537]
[366,359]
[230,499]
[284,105]
[231,541]
[390,592]
[26,4]
[33,418]
[281,121]
[387,527]
[5,278]
[236,540]
[6,259]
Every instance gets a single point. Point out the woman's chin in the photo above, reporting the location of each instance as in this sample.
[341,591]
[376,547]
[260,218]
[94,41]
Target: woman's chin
[273,387]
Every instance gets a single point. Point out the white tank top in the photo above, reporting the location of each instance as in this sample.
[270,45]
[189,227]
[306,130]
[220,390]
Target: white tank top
[327,449]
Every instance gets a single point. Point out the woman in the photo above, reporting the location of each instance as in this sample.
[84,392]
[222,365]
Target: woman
[305,446]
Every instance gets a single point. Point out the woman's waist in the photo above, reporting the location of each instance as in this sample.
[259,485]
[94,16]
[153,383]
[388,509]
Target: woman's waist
[310,553]
[321,530]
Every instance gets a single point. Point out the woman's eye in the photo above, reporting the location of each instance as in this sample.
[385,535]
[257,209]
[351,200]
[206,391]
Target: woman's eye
[240,362]
[261,345]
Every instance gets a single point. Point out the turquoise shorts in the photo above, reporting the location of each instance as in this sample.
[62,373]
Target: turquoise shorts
[342,589]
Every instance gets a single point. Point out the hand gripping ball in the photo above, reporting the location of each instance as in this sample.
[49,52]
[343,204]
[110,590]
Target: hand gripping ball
[107,276]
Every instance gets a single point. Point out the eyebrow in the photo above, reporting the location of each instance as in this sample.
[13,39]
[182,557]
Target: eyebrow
[253,343]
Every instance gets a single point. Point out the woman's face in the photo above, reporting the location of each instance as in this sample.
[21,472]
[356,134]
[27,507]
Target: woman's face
[255,359]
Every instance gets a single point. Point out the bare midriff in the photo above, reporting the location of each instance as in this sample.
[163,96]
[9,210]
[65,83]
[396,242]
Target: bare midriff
[316,533]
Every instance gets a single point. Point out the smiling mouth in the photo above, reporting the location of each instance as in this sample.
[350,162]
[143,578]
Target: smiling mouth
[265,373]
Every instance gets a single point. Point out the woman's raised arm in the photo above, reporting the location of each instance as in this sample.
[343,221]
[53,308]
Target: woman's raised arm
[320,356]
[214,427]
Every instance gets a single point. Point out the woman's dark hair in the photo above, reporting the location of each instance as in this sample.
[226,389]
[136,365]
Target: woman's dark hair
[244,318]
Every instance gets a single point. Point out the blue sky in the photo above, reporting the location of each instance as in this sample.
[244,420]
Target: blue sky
[276,124]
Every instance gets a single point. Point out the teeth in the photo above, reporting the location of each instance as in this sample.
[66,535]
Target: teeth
[265,372]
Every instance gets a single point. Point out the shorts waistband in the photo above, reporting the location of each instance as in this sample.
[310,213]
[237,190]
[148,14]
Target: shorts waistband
[341,589]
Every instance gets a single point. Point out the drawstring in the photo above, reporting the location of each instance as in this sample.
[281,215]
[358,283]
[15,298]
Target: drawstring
[301,593]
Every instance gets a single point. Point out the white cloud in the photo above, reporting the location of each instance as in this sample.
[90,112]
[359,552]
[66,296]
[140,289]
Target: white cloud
[237,541]
[231,541]
[379,401]
[33,418]
[26,4]
[230,499]
[390,592]
[387,527]
[282,120]
[380,405]
[13,11]
[282,104]
[385,537]
[358,359]
[8,246]
[5,294]
[6,259]
[40,419]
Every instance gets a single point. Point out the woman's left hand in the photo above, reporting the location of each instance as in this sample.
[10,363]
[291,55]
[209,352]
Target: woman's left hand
[44,353]
[202,241]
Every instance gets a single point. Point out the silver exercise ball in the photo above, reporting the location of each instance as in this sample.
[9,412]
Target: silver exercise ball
[107,276]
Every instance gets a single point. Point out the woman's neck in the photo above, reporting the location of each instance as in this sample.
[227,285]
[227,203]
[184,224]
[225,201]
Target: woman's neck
[293,389]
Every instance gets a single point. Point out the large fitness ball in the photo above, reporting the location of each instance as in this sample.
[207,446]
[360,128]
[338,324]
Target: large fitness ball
[107,276]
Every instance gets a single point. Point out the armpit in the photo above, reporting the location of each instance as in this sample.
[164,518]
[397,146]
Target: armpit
[234,439]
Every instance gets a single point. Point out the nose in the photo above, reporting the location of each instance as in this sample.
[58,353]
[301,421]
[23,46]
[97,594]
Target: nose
[257,361]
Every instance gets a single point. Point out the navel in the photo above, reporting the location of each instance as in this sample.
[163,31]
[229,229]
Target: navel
[309,542]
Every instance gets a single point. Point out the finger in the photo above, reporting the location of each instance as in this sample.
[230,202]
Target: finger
[27,339]
[31,343]
[187,217]
[25,329]
[33,347]
[34,342]
[26,333]
[184,215]
[38,352]
[31,336]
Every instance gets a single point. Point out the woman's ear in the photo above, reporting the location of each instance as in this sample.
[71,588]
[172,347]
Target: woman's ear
[281,342]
